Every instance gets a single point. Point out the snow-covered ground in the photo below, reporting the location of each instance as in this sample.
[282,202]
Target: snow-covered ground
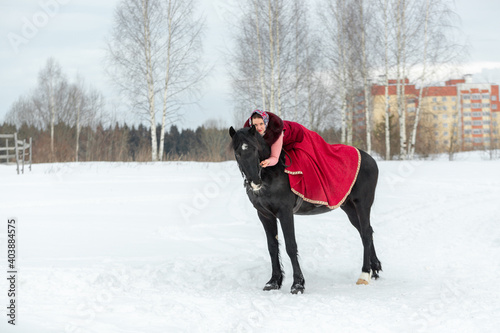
[177,247]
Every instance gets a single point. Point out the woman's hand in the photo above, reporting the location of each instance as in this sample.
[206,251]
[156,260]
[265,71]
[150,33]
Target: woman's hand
[264,163]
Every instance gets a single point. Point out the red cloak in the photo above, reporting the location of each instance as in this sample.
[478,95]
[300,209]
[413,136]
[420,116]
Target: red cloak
[320,173]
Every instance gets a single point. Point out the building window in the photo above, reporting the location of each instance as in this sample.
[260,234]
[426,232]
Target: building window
[477,131]
[476,105]
[445,125]
[494,106]
[467,123]
[446,133]
[467,114]
[476,96]
[477,114]
[466,105]
[444,99]
[434,99]
[486,105]
[486,96]
[453,99]
[477,123]
[478,140]
[486,113]
[445,116]
[466,96]
[467,131]
[445,108]
[486,122]
[493,97]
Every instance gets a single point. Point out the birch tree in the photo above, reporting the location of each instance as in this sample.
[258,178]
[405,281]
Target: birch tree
[387,114]
[364,9]
[411,146]
[272,58]
[438,49]
[52,83]
[338,19]
[154,54]
[86,103]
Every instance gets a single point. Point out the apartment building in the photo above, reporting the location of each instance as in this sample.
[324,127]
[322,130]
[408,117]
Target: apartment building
[459,114]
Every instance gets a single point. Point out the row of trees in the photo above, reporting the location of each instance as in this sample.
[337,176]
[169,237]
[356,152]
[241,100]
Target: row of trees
[121,142]
[316,73]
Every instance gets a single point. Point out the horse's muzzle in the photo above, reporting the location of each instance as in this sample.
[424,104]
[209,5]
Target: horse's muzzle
[255,187]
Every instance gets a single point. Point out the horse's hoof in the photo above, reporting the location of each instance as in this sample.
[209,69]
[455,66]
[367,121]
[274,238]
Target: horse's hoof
[271,286]
[362,281]
[297,288]
[364,278]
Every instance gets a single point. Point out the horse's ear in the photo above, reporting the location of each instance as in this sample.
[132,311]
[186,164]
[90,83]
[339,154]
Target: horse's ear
[232,132]
[252,130]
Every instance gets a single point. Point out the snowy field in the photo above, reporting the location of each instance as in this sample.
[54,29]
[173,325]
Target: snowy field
[177,247]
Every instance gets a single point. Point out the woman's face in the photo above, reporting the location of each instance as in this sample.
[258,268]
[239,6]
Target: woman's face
[259,125]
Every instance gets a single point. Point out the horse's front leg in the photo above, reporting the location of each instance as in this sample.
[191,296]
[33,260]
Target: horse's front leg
[287,225]
[271,228]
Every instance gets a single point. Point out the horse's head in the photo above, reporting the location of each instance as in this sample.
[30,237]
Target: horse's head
[249,149]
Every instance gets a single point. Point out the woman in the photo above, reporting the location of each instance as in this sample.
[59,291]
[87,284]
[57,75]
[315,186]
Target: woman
[320,173]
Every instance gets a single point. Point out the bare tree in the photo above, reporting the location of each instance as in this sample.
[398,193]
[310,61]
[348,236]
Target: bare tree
[387,114]
[52,84]
[438,48]
[46,105]
[365,72]
[154,53]
[278,61]
[339,20]
[87,105]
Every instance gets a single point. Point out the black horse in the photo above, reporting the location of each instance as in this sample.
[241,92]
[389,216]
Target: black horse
[269,191]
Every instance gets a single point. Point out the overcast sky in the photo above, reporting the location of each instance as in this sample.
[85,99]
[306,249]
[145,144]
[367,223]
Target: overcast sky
[74,31]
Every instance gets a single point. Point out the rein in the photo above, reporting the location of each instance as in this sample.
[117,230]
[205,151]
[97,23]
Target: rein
[286,154]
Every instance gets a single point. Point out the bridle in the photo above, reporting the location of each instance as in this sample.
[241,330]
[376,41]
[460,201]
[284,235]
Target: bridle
[247,182]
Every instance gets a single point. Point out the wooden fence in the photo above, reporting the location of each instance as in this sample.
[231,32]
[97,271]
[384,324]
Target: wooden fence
[20,149]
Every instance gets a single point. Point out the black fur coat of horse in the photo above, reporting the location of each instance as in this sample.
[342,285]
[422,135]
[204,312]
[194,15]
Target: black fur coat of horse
[269,191]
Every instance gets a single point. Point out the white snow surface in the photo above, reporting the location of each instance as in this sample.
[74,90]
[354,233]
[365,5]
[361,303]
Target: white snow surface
[178,247]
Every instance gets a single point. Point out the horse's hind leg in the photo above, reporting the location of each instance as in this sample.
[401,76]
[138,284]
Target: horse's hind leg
[360,219]
[271,228]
